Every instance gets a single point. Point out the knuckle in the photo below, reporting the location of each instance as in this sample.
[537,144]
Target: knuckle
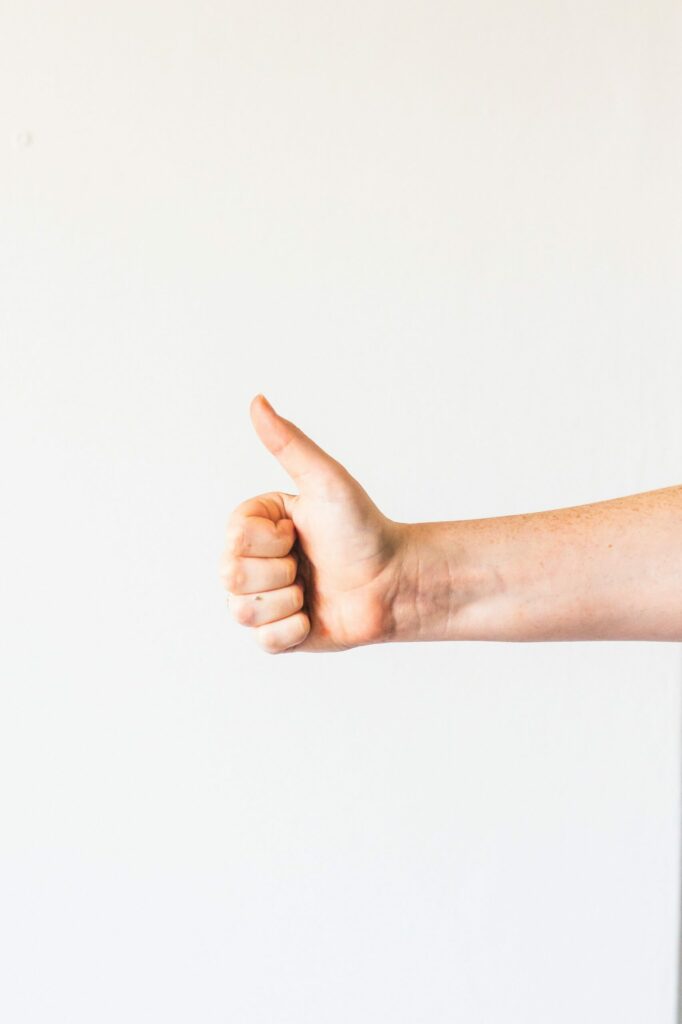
[304,626]
[285,527]
[234,539]
[226,566]
[270,646]
[268,640]
[242,612]
[292,567]
[233,577]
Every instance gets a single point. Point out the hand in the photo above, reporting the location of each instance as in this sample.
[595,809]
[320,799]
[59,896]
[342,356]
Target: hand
[314,571]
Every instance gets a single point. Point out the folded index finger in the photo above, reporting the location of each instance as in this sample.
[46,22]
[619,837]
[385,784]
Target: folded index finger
[259,528]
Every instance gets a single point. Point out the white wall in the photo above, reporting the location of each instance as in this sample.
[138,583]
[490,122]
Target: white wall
[445,239]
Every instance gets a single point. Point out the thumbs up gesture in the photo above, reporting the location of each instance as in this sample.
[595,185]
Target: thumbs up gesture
[314,571]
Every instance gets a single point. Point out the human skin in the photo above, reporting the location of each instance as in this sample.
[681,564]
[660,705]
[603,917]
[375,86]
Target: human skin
[326,570]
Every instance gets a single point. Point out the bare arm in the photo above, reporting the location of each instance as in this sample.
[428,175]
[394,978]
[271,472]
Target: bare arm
[325,570]
[605,571]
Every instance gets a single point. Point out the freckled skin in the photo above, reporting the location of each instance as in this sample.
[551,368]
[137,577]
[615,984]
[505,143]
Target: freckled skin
[326,570]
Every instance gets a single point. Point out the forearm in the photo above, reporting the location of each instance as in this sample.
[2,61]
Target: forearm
[611,570]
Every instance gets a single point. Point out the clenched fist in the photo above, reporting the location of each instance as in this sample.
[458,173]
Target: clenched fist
[314,571]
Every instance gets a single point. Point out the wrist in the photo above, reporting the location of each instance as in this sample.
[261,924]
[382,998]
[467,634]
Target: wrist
[443,584]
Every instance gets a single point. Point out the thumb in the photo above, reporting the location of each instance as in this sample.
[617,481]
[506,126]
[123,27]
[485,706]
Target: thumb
[307,464]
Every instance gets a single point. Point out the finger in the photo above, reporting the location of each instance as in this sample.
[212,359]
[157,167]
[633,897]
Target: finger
[252,575]
[307,464]
[280,636]
[271,505]
[259,537]
[270,606]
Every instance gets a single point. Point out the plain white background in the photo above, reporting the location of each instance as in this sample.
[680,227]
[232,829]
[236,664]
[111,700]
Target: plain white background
[444,238]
